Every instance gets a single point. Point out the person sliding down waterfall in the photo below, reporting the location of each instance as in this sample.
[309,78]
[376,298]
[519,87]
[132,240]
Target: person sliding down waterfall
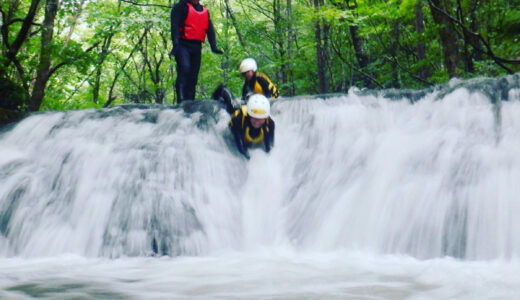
[251,125]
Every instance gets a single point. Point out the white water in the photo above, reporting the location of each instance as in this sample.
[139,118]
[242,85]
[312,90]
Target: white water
[361,197]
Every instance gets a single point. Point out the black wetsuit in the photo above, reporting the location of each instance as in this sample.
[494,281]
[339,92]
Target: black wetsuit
[246,135]
[187,52]
[259,84]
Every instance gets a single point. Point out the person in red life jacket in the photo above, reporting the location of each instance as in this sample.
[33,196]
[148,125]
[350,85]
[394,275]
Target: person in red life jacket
[190,23]
[256,82]
[252,125]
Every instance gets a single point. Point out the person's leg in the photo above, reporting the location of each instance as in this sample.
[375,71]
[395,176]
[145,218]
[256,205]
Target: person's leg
[193,76]
[182,59]
[224,95]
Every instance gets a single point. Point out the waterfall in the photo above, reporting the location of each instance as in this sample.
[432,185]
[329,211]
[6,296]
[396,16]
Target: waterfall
[427,173]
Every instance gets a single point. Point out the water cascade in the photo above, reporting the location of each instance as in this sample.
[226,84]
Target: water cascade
[426,174]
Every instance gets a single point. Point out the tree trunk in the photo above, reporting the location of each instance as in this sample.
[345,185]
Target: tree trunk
[99,67]
[424,73]
[73,25]
[468,57]
[448,36]
[322,83]
[44,67]
[393,52]
[280,46]
[326,52]
[105,50]
[357,43]
[474,26]
[290,40]
[358,48]
[154,71]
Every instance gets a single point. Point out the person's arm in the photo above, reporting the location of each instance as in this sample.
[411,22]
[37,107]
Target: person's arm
[212,38]
[236,129]
[245,91]
[265,86]
[269,139]
[241,144]
[178,15]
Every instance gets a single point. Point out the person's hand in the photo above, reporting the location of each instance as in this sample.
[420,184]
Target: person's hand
[246,98]
[217,51]
[246,155]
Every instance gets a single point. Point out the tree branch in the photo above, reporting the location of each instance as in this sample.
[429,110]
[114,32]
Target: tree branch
[22,34]
[393,58]
[499,60]
[21,20]
[71,60]
[4,28]
[263,11]
[21,73]
[235,23]
[355,68]
[118,72]
[146,4]
[396,61]
[130,78]
[261,33]
[80,85]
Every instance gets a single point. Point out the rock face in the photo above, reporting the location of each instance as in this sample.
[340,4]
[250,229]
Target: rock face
[12,101]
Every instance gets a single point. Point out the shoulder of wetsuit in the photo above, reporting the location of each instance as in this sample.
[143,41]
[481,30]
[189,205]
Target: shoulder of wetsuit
[236,118]
[199,7]
[180,10]
[236,113]
[270,123]
[183,4]
[263,77]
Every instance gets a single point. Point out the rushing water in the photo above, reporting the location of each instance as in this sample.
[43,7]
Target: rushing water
[387,195]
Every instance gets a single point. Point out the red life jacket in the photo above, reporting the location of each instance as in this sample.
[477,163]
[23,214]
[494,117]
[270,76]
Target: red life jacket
[195,25]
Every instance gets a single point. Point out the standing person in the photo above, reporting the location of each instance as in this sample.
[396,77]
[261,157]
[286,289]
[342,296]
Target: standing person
[190,23]
[256,82]
[252,125]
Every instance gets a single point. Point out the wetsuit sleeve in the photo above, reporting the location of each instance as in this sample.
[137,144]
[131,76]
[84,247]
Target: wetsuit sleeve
[211,35]
[178,15]
[265,86]
[245,91]
[269,139]
[236,129]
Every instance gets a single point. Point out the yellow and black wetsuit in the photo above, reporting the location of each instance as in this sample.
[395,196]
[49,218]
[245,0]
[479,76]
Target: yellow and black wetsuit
[246,135]
[259,84]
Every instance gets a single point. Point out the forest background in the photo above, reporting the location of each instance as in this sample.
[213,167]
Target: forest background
[75,54]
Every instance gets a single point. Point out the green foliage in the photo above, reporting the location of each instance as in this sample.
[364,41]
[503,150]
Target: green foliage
[96,47]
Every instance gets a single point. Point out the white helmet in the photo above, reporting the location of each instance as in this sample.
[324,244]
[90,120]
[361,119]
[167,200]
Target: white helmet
[258,106]
[248,64]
